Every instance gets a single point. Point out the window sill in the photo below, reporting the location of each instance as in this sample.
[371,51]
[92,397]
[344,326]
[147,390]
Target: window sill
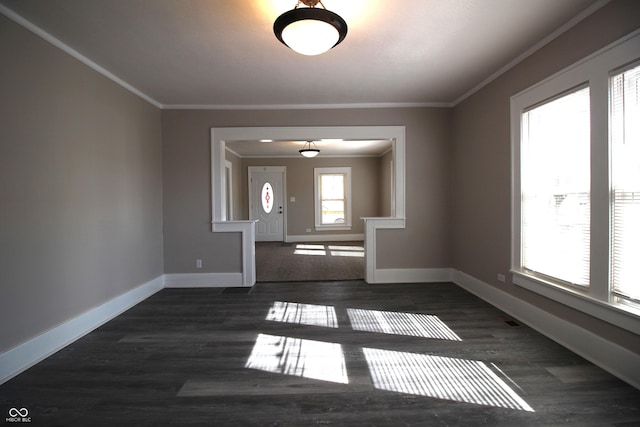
[340,227]
[623,315]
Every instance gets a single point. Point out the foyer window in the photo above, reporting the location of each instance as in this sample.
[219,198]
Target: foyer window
[333,198]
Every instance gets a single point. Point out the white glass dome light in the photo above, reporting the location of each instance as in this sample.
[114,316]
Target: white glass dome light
[310,30]
[309,152]
[310,37]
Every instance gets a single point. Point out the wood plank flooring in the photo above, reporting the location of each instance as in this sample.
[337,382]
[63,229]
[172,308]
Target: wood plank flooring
[328,353]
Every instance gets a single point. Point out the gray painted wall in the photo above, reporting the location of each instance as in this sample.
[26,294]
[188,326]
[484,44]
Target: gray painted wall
[300,214]
[481,162]
[424,243]
[80,187]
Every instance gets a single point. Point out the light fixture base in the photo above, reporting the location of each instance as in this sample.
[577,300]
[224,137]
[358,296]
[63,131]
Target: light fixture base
[310,3]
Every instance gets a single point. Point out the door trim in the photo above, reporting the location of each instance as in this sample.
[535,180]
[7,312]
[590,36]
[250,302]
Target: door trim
[228,176]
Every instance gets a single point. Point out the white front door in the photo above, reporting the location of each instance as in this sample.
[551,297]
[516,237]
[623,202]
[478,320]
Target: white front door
[266,202]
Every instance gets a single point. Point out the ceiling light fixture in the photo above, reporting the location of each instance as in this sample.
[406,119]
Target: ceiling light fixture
[309,152]
[310,30]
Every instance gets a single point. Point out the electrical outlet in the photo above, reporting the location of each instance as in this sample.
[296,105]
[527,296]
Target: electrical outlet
[501,278]
[198,263]
[308,230]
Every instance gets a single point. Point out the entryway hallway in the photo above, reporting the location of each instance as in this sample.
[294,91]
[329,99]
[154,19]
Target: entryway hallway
[317,261]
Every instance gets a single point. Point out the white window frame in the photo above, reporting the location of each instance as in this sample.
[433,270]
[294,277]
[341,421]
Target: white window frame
[594,71]
[635,298]
[317,173]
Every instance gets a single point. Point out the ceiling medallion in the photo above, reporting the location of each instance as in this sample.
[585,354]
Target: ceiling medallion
[310,30]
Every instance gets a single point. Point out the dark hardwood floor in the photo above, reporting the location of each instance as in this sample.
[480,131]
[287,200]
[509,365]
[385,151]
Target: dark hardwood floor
[332,353]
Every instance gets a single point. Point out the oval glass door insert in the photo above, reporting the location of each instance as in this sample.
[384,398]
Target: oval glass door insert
[267,197]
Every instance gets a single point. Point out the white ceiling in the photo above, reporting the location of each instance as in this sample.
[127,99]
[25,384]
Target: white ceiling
[328,148]
[222,53]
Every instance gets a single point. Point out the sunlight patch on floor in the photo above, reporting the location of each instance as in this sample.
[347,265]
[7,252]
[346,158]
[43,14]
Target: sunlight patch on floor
[307,246]
[346,250]
[397,323]
[347,253]
[333,250]
[317,360]
[310,252]
[460,380]
[303,314]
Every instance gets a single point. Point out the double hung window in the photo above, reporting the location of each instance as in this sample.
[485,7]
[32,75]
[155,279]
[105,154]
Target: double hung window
[555,181]
[333,198]
[625,183]
[576,185]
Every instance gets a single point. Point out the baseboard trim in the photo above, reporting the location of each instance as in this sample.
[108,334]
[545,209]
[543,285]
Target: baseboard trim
[324,238]
[609,356]
[24,356]
[203,280]
[412,275]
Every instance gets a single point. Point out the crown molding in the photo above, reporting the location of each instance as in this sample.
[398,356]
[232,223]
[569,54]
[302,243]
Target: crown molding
[106,73]
[306,106]
[533,49]
[74,53]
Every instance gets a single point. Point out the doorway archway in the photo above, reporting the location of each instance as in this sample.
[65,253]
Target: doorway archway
[219,221]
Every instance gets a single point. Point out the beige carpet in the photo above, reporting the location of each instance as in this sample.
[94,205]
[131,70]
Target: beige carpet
[288,262]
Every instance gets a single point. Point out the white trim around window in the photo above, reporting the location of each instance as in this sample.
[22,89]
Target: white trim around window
[344,222]
[593,72]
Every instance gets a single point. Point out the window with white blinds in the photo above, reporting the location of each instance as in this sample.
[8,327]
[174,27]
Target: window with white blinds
[625,183]
[555,188]
[575,213]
